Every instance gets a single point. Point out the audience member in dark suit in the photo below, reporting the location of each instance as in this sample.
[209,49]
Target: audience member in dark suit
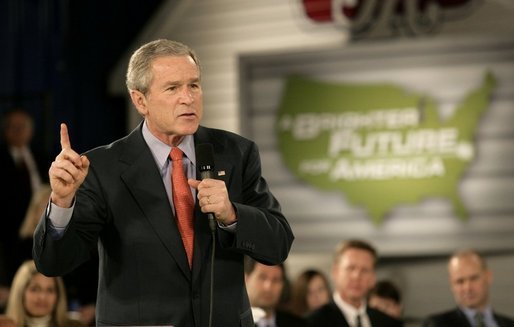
[265,286]
[353,275]
[119,198]
[23,169]
[470,282]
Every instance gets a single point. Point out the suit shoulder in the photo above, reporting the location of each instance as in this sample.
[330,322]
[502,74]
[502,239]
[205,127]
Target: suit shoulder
[327,315]
[445,318]
[285,318]
[383,318]
[503,320]
[130,143]
[220,135]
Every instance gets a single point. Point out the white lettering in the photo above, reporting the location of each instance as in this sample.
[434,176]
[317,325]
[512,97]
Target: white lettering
[383,169]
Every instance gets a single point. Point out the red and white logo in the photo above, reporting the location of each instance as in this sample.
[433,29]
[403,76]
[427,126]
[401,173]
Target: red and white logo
[411,16]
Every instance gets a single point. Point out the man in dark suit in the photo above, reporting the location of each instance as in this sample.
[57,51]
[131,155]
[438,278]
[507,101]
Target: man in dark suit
[23,169]
[120,196]
[353,275]
[470,281]
[266,286]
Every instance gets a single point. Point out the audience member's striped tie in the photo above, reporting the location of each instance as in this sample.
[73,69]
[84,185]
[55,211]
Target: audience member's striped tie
[358,322]
[479,319]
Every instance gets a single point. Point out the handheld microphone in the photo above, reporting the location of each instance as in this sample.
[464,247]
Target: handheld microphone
[205,161]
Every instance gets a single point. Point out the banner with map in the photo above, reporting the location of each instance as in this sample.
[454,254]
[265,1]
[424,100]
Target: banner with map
[379,144]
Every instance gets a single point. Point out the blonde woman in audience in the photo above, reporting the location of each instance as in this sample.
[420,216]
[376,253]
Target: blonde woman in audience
[310,290]
[86,306]
[38,301]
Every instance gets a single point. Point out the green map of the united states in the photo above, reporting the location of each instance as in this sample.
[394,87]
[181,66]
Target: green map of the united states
[381,145]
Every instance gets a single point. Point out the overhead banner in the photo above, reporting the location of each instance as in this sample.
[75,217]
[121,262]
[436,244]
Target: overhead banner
[380,145]
[379,18]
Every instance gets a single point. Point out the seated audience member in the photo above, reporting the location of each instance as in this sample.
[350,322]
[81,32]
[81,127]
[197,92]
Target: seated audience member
[353,276]
[23,167]
[35,210]
[265,285]
[470,281]
[38,301]
[385,296]
[310,290]
[81,284]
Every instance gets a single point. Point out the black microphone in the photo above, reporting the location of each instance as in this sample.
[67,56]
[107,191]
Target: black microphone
[205,161]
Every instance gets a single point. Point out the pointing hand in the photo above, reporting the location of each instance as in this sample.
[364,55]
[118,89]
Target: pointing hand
[67,172]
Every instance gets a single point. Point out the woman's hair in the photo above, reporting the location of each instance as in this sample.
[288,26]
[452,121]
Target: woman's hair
[33,214]
[386,289]
[300,288]
[15,305]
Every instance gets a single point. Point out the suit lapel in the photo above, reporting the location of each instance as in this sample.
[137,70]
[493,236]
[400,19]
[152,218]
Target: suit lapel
[143,180]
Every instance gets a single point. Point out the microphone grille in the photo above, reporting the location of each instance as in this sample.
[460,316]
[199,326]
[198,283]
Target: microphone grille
[205,156]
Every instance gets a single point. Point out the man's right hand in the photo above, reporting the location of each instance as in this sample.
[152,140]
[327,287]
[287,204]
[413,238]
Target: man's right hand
[67,172]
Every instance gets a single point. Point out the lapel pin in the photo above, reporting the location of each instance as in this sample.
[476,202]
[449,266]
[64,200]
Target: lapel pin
[221,173]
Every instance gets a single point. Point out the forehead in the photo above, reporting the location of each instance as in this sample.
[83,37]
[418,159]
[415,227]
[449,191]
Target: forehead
[262,269]
[41,279]
[465,265]
[354,255]
[18,117]
[174,64]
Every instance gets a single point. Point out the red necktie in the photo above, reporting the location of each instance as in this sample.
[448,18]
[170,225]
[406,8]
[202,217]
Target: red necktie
[183,202]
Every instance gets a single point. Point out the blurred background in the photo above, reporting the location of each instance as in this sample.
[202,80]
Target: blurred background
[65,61]
[55,62]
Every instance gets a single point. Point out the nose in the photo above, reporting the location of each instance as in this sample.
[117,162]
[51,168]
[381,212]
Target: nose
[186,96]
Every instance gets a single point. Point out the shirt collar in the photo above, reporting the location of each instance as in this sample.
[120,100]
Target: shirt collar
[161,150]
[268,321]
[349,310]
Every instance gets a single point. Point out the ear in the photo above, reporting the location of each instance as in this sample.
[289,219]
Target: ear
[139,101]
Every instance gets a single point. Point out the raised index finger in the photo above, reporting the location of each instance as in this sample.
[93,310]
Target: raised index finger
[65,138]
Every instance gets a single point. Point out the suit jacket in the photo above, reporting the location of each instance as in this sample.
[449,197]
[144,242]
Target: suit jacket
[457,318]
[14,204]
[330,315]
[144,275]
[286,319]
